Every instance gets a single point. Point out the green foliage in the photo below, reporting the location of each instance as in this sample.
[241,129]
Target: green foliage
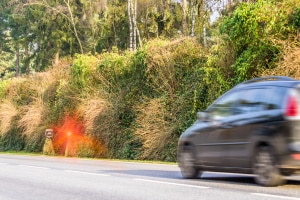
[123,145]
[252,29]
[85,150]
[89,149]
[114,28]
[50,99]
[122,76]
[82,69]
[112,67]
[65,100]
[3,87]
[24,93]
[13,140]
[175,69]
[295,18]
[35,143]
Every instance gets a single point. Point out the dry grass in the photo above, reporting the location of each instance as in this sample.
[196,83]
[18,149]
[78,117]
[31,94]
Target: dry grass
[166,61]
[7,113]
[290,64]
[163,71]
[152,128]
[100,123]
[87,147]
[37,84]
[32,116]
[30,90]
[41,81]
[161,68]
[91,108]
[12,89]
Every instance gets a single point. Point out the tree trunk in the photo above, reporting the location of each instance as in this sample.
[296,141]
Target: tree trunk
[27,67]
[56,59]
[229,5]
[184,17]
[136,29]
[203,17]
[133,14]
[194,14]
[17,61]
[73,24]
[133,29]
[130,25]
[204,36]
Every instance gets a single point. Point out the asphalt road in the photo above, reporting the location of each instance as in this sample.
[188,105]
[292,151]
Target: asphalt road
[39,178]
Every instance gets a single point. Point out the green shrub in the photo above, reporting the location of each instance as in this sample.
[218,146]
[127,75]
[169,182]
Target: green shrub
[35,141]
[294,18]
[88,148]
[3,87]
[253,30]
[81,72]
[13,140]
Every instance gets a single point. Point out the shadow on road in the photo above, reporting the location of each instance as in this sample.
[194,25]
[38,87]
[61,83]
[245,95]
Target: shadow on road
[236,179]
[242,179]
[293,182]
[148,173]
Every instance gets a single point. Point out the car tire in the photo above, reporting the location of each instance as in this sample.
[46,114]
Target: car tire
[265,168]
[187,164]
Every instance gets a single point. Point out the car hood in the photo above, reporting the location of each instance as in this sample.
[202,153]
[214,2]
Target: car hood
[195,128]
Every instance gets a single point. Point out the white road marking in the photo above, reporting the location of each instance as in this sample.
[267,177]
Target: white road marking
[88,173]
[169,183]
[276,196]
[29,166]
[3,163]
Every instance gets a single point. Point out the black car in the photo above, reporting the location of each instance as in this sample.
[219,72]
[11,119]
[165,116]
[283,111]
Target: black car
[253,128]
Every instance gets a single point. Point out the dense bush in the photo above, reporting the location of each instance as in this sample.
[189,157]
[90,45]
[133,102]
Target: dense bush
[253,29]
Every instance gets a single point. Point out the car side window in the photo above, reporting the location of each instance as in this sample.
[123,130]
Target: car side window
[225,106]
[275,97]
[259,99]
[250,101]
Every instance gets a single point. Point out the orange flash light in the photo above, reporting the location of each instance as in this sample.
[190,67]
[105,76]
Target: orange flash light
[68,133]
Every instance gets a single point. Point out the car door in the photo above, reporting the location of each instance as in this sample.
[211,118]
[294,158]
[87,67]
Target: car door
[258,109]
[211,142]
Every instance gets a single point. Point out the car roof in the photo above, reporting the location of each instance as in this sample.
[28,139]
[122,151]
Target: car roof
[278,81]
[269,81]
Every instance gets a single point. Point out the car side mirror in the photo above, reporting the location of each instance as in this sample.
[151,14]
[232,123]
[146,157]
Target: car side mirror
[203,116]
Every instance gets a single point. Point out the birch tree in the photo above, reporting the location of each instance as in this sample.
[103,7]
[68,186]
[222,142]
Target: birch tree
[184,18]
[64,9]
[194,5]
[130,25]
[134,34]
[70,17]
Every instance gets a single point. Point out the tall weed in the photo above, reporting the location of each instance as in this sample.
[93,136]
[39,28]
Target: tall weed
[8,111]
[290,62]
[154,129]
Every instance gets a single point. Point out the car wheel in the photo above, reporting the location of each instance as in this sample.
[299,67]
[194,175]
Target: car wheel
[265,168]
[187,164]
